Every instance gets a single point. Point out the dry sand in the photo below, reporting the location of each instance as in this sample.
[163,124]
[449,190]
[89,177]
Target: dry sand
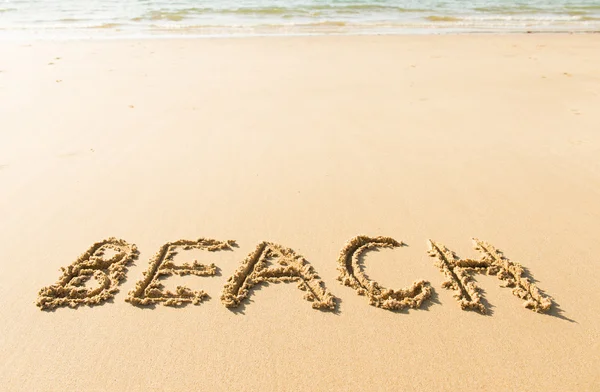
[293,147]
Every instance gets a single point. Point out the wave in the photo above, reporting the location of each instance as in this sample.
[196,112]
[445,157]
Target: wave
[179,15]
[71,20]
[360,8]
[590,7]
[335,27]
[576,12]
[524,18]
[260,26]
[308,11]
[435,18]
[174,16]
[529,10]
[106,26]
[326,23]
[510,10]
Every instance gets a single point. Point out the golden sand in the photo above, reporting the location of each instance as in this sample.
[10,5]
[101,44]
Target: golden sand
[150,291]
[492,262]
[352,275]
[69,290]
[291,267]
[299,144]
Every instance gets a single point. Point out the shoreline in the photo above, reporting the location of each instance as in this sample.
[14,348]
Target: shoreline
[301,17]
[179,37]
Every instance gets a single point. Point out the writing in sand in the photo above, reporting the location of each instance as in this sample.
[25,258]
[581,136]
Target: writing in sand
[106,261]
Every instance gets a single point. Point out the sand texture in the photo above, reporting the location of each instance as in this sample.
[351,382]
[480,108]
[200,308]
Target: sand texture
[150,291]
[291,267]
[352,275]
[108,272]
[492,262]
[331,161]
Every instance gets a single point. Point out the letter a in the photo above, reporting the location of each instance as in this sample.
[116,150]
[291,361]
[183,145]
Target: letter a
[149,290]
[492,261]
[70,290]
[291,268]
[352,275]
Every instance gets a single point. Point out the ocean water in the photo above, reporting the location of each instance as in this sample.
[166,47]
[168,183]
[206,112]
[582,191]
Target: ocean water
[141,18]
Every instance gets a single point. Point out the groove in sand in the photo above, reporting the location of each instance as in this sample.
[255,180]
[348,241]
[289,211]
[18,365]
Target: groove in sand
[149,290]
[466,292]
[492,262]
[291,268]
[70,290]
[352,275]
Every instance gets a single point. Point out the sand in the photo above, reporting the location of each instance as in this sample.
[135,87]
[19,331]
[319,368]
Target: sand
[290,267]
[306,151]
[149,291]
[459,273]
[108,271]
[352,274]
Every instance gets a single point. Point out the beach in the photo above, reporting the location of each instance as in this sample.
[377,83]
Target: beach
[72,19]
[305,143]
